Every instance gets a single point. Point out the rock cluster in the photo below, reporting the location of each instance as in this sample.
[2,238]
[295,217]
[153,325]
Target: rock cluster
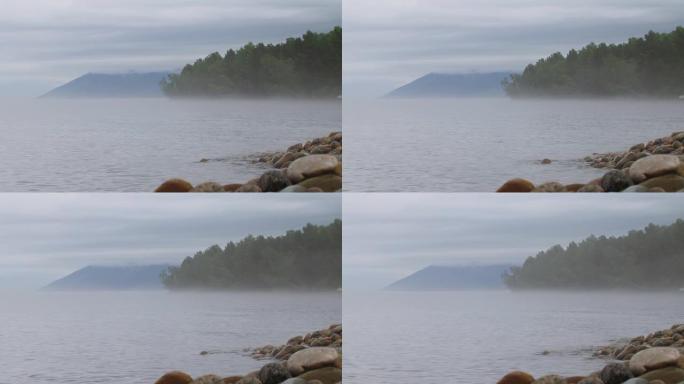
[309,364]
[643,364]
[650,173]
[314,166]
[672,337]
[670,145]
[329,337]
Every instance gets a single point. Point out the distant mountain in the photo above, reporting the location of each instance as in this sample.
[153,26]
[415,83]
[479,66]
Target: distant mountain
[111,278]
[112,85]
[453,85]
[442,278]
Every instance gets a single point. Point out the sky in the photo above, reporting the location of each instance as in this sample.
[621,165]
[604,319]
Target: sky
[388,43]
[46,236]
[389,236]
[45,43]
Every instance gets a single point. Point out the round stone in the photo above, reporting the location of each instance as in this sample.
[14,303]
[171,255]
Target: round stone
[311,358]
[327,375]
[310,166]
[516,185]
[174,377]
[273,181]
[516,377]
[652,166]
[174,186]
[669,183]
[273,373]
[653,358]
[326,183]
[615,181]
[669,375]
[615,373]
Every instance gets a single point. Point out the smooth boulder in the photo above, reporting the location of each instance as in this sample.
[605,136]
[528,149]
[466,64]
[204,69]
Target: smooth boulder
[311,358]
[174,186]
[516,377]
[668,183]
[273,373]
[310,166]
[174,377]
[669,375]
[516,186]
[327,375]
[653,358]
[615,373]
[652,166]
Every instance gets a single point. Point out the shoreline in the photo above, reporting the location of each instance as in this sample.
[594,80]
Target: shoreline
[654,166]
[312,166]
[314,358]
[657,358]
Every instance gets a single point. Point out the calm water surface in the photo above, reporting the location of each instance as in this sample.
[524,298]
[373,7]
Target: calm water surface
[125,145]
[477,337]
[457,145]
[135,337]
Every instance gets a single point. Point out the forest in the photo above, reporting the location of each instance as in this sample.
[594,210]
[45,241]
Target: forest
[650,66]
[305,259]
[307,66]
[648,259]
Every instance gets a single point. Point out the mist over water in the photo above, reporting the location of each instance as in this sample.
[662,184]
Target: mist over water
[478,336]
[133,145]
[475,145]
[135,337]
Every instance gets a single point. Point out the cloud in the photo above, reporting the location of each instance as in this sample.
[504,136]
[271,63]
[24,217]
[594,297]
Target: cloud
[389,43]
[48,42]
[388,236]
[44,236]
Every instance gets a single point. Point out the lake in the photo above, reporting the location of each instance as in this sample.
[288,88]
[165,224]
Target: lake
[477,337]
[135,337]
[475,145]
[133,145]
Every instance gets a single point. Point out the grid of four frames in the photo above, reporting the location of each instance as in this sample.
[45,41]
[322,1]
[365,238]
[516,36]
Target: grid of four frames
[176,206]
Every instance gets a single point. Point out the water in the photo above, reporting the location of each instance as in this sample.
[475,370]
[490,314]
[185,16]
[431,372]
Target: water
[124,145]
[475,145]
[135,337]
[477,337]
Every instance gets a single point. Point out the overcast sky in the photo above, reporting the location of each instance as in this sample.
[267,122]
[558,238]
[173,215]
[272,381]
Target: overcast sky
[46,236]
[388,43]
[44,43]
[390,236]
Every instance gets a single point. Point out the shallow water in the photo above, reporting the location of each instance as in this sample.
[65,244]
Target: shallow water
[477,337]
[135,337]
[123,145]
[475,145]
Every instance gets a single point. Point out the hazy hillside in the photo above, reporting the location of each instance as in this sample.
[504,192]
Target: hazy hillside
[443,278]
[112,85]
[453,85]
[652,258]
[303,259]
[111,278]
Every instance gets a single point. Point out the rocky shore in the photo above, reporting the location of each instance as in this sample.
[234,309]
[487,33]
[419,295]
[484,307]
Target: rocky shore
[654,359]
[656,166]
[314,166]
[315,358]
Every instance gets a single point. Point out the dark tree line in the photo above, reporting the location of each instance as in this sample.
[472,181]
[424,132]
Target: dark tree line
[652,258]
[309,258]
[307,66]
[651,66]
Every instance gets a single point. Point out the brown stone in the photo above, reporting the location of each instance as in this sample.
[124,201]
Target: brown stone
[516,377]
[328,375]
[231,187]
[516,185]
[174,186]
[174,377]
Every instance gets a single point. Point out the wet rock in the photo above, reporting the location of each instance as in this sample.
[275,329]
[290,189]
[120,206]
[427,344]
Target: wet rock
[615,181]
[273,373]
[590,188]
[550,379]
[311,358]
[653,358]
[294,188]
[636,188]
[550,187]
[669,183]
[615,373]
[546,161]
[208,379]
[327,183]
[669,375]
[653,166]
[174,186]
[174,377]
[310,166]
[208,187]
[328,375]
[273,181]
[516,185]
[248,188]
[516,377]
